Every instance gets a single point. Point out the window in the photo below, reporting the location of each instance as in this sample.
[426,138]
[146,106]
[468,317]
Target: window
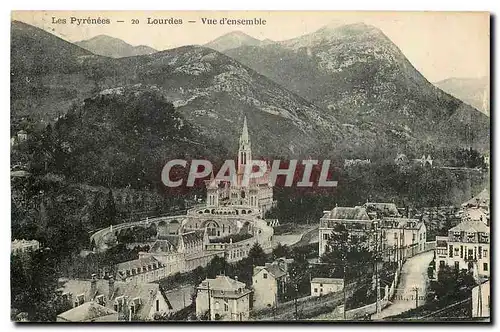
[451,250]
[485,253]
[226,305]
[157,305]
[457,265]
[315,290]
[217,305]
[441,263]
[485,266]
[265,275]
[325,236]
[320,285]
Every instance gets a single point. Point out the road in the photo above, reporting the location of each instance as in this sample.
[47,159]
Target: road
[306,237]
[413,274]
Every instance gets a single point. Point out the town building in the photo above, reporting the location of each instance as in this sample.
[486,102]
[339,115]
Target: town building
[481,301]
[355,220]
[88,312]
[467,246]
[376,226]
[401,238]
[224,299]
[132,301]
[24,246]
[323,286]
[141,270]
[269,284]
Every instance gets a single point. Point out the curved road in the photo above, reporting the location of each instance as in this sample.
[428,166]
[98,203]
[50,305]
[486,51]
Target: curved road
[413,274]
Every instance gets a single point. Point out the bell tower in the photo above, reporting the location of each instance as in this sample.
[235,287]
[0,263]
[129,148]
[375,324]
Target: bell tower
[245,150]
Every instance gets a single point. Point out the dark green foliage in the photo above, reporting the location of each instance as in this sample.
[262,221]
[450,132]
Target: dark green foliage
[34,286]
[256,255]
[281,251]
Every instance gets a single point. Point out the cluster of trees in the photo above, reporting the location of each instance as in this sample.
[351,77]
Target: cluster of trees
[117,140]
[137,234]
[103,215]
[34,287]
[469,158]
[83,266]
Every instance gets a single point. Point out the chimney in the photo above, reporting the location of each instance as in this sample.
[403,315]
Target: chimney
[111,283]
[93,285]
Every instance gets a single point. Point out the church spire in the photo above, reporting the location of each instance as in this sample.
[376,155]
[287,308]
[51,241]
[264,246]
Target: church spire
[245,150]
[244,138]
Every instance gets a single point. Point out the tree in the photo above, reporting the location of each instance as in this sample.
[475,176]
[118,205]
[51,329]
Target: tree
[256,255]
[109,212]
[346,253]
[34,286]
[281,251]
[299,284]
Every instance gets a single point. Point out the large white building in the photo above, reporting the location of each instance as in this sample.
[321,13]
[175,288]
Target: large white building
[467,246]
[398,237]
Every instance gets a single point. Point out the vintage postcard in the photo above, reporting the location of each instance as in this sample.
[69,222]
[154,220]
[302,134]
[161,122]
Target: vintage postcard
[250,166]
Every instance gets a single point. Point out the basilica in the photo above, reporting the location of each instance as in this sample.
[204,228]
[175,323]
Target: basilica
[233,207]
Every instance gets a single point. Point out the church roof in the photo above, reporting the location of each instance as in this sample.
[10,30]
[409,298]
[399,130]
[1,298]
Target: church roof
[193,236]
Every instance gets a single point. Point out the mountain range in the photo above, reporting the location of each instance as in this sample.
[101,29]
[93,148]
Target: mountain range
[473,91]
[355,73]
[113,47]
[235,39]
[340,91]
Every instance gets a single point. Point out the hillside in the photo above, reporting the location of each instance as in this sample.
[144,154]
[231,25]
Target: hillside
[48,73]
[214,92]
[235,39]
[473,91]
[211,90]
[113,47]
[359,76]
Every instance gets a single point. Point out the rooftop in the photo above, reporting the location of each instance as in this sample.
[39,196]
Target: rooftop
[350,213]
[89,312]
[471,226]
[336,281]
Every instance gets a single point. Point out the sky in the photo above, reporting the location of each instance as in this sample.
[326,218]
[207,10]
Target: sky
[440,45]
